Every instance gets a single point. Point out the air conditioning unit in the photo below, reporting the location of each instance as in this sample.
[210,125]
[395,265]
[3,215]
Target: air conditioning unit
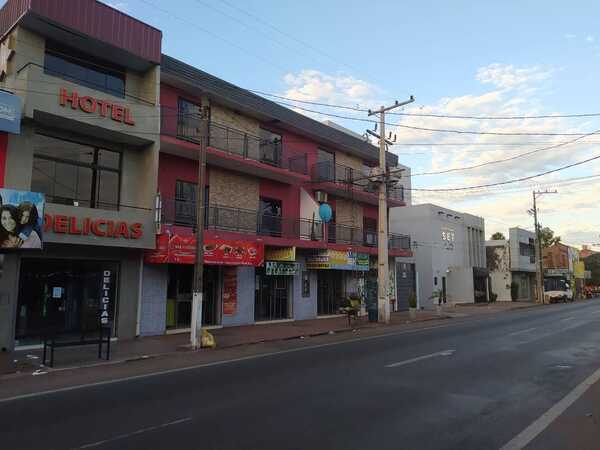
[321,196]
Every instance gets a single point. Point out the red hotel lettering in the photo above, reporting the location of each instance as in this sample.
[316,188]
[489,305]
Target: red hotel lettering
[96,227]
[88,104]
[61,224]
[100,227]
[73,228]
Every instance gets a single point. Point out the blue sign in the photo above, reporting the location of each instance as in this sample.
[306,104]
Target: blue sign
[21,220]
[10,113]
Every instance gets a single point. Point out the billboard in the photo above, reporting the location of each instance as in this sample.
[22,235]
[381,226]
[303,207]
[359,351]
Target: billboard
[21,220]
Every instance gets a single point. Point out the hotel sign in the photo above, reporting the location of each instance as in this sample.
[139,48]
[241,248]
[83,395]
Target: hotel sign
[92,105]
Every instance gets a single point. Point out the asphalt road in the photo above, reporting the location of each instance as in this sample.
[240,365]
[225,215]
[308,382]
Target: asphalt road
[471,385]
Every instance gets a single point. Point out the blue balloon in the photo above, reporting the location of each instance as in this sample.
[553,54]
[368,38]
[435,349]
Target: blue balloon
[325,212]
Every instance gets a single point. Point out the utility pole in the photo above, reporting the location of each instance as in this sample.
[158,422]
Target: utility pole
[538,237]
[382,224]
[198,285]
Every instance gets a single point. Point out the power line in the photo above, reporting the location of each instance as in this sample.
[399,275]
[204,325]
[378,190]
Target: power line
[515,180]
[512,158]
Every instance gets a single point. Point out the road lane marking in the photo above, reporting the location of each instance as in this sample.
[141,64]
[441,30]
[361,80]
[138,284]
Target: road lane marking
[523,439]
[421,358]
[134,433]
[473,320]
[522,331]
[567,318]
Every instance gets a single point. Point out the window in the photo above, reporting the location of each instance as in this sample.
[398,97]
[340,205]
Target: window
[74,174]
[189,115]
[325,167]
[270,147]
[270,216]
[83,69]
[185,203]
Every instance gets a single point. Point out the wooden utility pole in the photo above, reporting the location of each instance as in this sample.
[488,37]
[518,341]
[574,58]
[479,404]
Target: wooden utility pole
[198,285]
[538,237]
[382,224]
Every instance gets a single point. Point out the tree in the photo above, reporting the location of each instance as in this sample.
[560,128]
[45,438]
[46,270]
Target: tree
[592,263]
[497,236]
[547,237]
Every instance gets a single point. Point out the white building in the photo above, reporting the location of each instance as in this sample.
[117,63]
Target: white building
[512,266]
[449,253]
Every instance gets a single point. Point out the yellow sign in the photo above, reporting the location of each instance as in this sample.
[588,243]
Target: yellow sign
[579,269]
[280,254]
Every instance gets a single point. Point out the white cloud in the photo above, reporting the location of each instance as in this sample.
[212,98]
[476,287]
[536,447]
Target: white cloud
[508,76]
[590,38]
[570,36]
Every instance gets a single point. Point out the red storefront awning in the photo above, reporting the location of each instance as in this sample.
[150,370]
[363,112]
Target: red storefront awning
[176,249]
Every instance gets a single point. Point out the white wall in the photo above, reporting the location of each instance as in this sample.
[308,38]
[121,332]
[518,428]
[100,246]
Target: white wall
[501,285]
[308,206]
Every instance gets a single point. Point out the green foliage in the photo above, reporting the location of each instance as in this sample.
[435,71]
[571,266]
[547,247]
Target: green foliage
[547,237]
[498,237]
[514,291]
[592,263]
[412,300]
[493,297]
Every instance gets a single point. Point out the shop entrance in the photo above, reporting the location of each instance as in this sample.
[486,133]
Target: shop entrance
[272,296]
[63,296]
[179,296]
[330,290]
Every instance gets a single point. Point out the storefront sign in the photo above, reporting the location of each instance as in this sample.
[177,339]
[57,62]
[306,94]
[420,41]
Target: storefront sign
[91,105]
[10,113]
[178,249]
[556,272]
[104,228]
[21,214]
[280,253]
[105,300]
[338,260]
[229,291]
[281,268]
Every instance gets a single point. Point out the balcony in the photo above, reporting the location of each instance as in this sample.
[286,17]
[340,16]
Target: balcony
[233,149]
[182,213]
[347,182]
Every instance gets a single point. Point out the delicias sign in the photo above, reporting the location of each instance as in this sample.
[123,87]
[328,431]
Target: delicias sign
[97,227]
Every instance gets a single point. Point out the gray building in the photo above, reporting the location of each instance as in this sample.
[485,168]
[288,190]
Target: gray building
[448,254]
[89,142]
[512,265]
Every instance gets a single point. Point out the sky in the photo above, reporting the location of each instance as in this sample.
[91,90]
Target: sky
[510,58]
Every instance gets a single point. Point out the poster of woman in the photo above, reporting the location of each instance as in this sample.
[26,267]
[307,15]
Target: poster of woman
[21,220]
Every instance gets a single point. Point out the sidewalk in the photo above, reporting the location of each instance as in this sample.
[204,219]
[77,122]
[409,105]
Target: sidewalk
[29,361]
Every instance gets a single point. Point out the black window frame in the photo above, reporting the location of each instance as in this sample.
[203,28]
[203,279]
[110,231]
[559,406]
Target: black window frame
[96,169]
[87,63]
[270,150]
[187,121]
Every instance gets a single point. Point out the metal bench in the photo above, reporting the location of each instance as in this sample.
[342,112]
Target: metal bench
[54,339]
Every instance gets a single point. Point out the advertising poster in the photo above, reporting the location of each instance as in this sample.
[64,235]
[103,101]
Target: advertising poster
[229,291]
[178,249]
[21,220]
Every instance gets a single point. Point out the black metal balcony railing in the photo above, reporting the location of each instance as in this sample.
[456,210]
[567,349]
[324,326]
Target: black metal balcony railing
[230,140]
[223,218]
[328,171]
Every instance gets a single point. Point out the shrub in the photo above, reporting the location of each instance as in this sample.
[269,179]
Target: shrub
[514,291]
[412,300]
[493,297]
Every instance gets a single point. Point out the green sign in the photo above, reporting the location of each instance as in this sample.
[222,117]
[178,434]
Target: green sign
[281,268]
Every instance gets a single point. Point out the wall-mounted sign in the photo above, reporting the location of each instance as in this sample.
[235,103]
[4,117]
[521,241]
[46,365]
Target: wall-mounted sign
[21,214]
[104,228]
[10,113]
[281,268]
[448,238]
[91,105]
[178,249]
[556,272]
[229,291]
[338,260]
[280,253]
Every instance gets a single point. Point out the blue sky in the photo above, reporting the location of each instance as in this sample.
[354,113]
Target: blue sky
[459,57]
